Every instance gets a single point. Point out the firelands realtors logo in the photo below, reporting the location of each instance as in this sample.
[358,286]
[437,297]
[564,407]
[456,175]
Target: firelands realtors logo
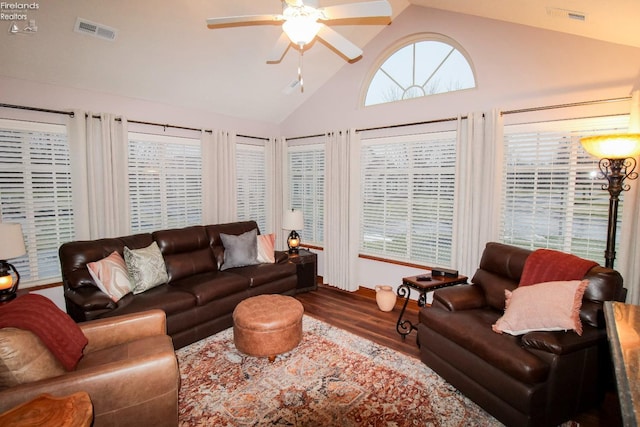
[14,11]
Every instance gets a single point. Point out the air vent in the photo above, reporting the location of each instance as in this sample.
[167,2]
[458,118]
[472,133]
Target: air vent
[100,31]
[567,14]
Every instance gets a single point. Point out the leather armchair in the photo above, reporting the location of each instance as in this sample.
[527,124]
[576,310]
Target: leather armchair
[541,378]
[128,368]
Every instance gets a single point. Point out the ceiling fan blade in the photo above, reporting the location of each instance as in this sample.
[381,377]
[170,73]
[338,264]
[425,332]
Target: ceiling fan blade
[279,49]
[339,43]
[243,20]
[369,9]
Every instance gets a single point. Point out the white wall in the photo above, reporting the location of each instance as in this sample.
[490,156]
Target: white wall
[41,95]
[516,67]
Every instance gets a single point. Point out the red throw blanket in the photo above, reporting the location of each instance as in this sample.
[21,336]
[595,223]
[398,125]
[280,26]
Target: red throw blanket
[546,265]
[38,314]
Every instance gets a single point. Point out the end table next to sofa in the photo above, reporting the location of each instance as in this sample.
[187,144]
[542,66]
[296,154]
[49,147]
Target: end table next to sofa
[307,269]
[404,327]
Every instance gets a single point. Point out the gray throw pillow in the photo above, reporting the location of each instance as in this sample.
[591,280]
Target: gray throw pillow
[146,267]
[239,250]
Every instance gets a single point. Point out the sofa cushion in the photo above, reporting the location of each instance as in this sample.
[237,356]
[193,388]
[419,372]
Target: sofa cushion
[550,306]
[186,251]
[146,267]
[165,297]
[111,276]
[206,287]
[239,250]
[471,329]
[24,358]
[261,274]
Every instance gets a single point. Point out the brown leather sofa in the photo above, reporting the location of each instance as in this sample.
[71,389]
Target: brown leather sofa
[535,379]
[128,368]
[198,299]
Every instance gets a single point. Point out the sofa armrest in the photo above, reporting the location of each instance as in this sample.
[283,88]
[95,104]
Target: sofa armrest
[111,331]
[89,298]
[561,342]
[281,256]
[461,297]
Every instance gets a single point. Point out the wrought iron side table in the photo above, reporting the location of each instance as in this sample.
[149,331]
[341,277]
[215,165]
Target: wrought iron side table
[404,327]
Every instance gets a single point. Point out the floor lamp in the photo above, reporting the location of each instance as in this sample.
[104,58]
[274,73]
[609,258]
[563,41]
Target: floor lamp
[617,153]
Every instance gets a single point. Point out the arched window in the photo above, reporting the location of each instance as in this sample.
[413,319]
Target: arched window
[425,65]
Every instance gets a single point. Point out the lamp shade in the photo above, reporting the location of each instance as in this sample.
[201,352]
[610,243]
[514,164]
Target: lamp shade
[614,146]
[12,241]
[293,220]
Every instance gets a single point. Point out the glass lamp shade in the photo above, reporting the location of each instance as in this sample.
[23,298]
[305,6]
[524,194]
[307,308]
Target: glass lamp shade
[301,29]
[614,146]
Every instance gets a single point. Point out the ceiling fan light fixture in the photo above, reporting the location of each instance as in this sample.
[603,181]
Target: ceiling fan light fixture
[301,29]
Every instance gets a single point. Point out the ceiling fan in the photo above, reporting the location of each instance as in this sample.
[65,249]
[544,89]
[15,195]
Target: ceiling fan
[300,24]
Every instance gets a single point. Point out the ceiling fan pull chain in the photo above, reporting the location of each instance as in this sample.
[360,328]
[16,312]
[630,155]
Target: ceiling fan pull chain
[300,73]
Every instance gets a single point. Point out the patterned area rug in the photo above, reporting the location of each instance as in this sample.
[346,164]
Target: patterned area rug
[333,378]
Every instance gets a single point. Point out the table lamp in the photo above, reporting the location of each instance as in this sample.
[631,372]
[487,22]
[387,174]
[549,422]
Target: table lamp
[293,220]
[12,247]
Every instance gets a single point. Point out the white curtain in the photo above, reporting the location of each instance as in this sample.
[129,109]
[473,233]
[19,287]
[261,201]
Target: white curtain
[99,157]
[629,249]
[478,177]
[277,179]
[342,210]
[219,196]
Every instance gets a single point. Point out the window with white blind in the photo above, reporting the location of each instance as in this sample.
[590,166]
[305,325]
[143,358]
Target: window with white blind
[306,189]
[552,194]
[252,185]
[408,197]
[165,182]
[35,191]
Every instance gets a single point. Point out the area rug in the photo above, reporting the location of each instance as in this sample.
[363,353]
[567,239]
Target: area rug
[333,378]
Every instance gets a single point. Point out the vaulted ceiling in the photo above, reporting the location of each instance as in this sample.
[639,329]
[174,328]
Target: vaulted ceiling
[164,52]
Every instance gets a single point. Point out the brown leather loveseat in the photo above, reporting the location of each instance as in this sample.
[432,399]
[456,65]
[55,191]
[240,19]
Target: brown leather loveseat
[198,298]
[539,378]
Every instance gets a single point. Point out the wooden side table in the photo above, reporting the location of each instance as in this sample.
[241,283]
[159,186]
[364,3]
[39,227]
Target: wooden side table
[404,327]
[307,270]
[75,410]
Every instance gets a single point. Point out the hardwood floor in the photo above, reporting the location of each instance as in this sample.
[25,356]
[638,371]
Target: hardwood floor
[357,312]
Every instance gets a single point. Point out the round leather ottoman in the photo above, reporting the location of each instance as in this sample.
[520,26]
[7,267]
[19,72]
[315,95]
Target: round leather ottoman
[267,325]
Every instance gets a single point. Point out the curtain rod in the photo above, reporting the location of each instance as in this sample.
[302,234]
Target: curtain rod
[165,126]
[573,104]
[40,110]
[450,119]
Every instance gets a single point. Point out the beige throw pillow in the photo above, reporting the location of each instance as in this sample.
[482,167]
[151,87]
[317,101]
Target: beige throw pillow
[24,358]
[146,267]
